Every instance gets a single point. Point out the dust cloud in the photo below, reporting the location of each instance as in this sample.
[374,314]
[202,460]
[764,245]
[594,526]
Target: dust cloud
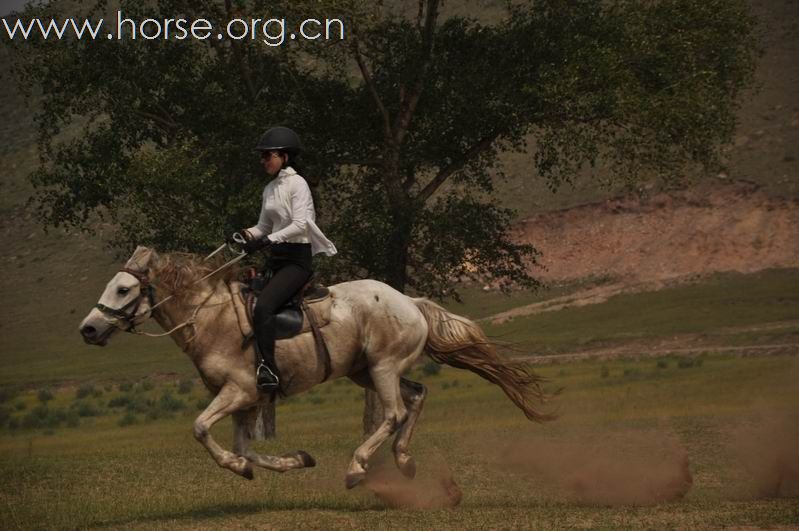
[768,452]
[434,488]
[629,468]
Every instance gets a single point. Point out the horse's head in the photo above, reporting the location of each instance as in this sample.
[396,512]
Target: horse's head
[125,303]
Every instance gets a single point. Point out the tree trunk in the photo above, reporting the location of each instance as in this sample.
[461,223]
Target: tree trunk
[396,278]
[265,427]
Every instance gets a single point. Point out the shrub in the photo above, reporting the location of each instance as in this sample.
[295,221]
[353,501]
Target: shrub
[8,393]
[316,400]
[604,372]
[44,395]
[687,363]
[108,388]
[5,415]
[120,401]
[87,390]
[167,402]
[147,385]
[20,405]
[185,386]
[663,363]
[630,372]
[86,409]
[431,368]
[128,419]
[203,403]
[125,387]
[139,404]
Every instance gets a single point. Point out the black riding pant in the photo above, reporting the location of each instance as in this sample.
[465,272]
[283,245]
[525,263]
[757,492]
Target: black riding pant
[292,266]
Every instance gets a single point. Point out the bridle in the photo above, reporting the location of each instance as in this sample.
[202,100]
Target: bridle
[127,313]
[146,290]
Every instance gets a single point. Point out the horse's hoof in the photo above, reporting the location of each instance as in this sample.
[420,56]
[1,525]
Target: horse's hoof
[354,478]
[407,465]
[247,472]
[307,460]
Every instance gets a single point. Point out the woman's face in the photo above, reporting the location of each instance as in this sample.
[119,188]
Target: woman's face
[272,161]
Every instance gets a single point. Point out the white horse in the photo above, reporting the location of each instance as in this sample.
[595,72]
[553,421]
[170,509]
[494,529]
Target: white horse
[375,334]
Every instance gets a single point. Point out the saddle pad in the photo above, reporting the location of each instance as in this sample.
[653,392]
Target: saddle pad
[319,303]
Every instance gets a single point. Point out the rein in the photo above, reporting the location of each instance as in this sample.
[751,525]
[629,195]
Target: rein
[146,289]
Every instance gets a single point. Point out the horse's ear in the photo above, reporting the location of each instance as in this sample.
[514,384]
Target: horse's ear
[140,259]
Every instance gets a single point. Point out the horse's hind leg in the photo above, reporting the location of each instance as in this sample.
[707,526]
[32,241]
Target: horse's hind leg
[229,399]
[386,382]
[413,395]
[243,429]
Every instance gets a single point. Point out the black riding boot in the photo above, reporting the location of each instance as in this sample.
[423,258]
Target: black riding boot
[266,376]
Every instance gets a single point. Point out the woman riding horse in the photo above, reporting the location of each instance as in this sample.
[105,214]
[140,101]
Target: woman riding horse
[287,226]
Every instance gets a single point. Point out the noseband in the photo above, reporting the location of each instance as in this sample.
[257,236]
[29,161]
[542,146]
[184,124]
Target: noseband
[145,290]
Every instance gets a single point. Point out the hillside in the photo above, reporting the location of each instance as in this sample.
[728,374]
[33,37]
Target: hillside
[51,279]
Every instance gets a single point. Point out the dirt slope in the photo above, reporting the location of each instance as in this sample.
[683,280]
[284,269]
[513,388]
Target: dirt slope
[719,226]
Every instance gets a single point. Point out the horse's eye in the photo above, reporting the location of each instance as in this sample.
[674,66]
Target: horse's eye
[123,291]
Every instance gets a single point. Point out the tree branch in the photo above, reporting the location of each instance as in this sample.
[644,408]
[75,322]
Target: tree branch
[367,77]
[454,167]
[237,54]
[409,99]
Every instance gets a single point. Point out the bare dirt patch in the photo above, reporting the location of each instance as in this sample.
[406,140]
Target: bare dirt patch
[718,226]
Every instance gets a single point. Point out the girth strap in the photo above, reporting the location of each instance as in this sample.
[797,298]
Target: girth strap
[321,346]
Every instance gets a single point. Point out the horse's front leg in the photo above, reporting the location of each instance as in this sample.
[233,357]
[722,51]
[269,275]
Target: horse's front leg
[229,400]
[243,429]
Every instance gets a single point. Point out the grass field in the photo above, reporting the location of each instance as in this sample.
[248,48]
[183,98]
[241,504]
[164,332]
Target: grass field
[152,474]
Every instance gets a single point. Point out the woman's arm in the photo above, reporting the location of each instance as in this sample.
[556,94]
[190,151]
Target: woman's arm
[264,225]
[301,205]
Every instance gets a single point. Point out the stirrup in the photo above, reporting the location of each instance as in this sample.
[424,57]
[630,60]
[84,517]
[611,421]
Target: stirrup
[266,379]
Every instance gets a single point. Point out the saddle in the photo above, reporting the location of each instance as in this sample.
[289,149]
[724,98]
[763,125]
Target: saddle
[307,311]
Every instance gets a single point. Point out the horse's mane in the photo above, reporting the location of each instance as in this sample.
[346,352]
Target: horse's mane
[177,272]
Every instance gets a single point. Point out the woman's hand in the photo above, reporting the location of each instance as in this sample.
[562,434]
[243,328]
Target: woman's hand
[254,244]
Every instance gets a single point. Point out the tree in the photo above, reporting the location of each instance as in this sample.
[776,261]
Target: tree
[406,119]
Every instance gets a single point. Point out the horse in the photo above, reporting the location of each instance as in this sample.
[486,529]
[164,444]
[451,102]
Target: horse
[374,336]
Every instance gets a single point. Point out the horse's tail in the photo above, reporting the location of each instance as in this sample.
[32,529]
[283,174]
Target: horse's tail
[459,342]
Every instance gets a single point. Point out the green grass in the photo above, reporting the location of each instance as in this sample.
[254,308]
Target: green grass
[709,308]
[154,475]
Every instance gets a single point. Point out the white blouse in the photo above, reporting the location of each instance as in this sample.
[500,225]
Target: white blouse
[288,215]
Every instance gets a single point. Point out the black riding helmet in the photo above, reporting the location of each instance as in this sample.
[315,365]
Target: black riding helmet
[280,139]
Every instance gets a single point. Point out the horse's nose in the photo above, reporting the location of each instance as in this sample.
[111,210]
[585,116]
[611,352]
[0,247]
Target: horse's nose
[88,332]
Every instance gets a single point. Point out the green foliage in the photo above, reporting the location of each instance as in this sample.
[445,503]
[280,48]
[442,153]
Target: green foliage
[604,372]
[167,402]
[44,395]
[85,408]
[128,419]
[185,386]
[662,363]
[120,401]
[125,387]
[5,415]
[8,393]
[87,390]
[166,127]
[431,368]
[202,403]
[689,363]
[20,405]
